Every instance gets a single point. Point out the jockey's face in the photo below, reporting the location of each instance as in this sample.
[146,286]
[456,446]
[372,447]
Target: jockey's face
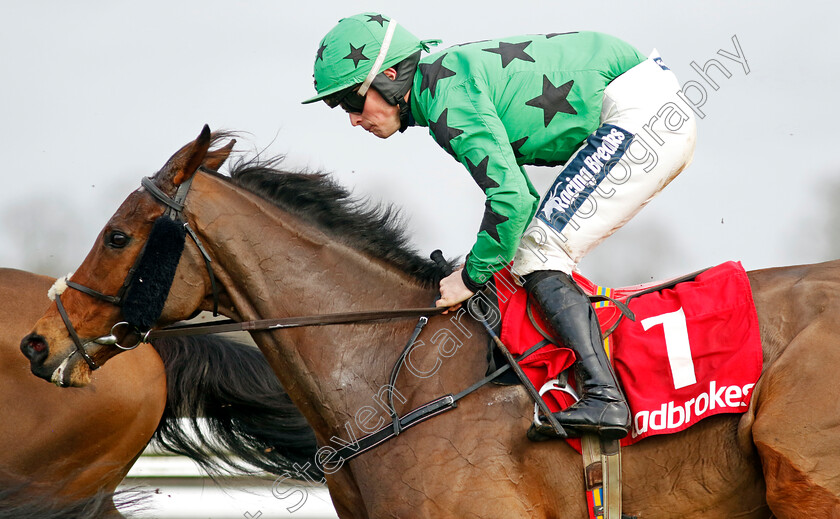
[378,117]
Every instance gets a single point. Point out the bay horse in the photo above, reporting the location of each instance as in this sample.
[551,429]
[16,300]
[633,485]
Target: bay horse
[285,244]
[67,451]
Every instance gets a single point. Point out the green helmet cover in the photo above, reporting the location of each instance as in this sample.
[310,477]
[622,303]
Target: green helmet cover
[348,52]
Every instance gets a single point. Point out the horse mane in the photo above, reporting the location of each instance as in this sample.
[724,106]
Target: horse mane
[373,228]
[227,411]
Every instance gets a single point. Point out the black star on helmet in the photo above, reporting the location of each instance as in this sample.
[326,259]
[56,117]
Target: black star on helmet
[553,100]
[444,133]
[432,73]
[320,55]
[356,55]
[479,174]
[491,222]
[377,18]
[511,51]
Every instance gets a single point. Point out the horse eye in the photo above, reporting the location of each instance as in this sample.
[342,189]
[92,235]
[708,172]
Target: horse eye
[117,239]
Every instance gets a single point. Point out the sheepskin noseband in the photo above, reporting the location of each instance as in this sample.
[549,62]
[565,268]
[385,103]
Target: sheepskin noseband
[154,273]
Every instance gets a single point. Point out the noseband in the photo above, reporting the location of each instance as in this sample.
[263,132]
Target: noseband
[173,215]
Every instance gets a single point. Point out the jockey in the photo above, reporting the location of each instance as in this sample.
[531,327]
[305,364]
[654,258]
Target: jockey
[577,100]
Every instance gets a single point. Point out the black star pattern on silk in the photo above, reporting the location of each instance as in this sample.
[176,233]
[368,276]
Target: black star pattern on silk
[432,73]
[511,51]
[491,222]
[443,132]
[320,55]
[377,18]
[553,100]
[479,174]
[356,55]
[517,145]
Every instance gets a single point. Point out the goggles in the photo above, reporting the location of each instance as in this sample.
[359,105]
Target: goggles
[349,100]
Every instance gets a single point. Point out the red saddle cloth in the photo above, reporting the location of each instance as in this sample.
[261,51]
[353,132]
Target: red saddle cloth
[693,351]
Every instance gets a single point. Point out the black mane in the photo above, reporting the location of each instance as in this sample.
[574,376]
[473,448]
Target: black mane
[375,229]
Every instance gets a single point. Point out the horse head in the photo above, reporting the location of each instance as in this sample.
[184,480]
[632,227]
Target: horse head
[134,276]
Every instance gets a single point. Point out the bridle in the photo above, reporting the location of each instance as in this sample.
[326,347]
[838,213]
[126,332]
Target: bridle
[174,211]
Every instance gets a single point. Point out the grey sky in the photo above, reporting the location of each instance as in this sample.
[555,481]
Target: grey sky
[97,94]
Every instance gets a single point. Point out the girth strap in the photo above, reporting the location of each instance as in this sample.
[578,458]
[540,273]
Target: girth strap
[602,476]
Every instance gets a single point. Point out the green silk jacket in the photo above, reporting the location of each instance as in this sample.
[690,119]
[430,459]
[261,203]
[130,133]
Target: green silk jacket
[497,105]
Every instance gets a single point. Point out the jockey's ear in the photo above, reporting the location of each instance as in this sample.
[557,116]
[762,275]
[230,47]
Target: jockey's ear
[216,158]
[390,73]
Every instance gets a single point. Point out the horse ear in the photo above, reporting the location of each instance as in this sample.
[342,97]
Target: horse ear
[195,158]
[216,158]
[183,164]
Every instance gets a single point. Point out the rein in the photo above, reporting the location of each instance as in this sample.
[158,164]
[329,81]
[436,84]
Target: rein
[229,325]
[174,211]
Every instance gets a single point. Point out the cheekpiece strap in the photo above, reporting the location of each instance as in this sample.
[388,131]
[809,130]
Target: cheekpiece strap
[156,192]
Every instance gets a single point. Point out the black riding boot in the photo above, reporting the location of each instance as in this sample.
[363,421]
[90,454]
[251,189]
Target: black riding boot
[602,409]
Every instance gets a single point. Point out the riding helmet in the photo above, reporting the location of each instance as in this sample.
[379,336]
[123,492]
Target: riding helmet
[355,52]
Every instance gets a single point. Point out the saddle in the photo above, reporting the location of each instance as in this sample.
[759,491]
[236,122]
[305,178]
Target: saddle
[610,307]
[646,336]
[692,351]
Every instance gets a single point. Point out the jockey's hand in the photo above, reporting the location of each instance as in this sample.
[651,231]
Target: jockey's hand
[453,291]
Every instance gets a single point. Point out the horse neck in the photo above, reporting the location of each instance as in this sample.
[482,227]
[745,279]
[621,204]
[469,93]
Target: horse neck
[272,264]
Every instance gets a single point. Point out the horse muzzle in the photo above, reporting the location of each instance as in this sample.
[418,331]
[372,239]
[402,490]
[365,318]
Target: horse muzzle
[36,348]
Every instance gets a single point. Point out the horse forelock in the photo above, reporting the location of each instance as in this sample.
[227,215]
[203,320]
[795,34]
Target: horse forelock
[374,228]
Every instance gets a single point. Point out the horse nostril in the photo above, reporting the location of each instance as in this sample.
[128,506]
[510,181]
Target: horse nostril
[34,347]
